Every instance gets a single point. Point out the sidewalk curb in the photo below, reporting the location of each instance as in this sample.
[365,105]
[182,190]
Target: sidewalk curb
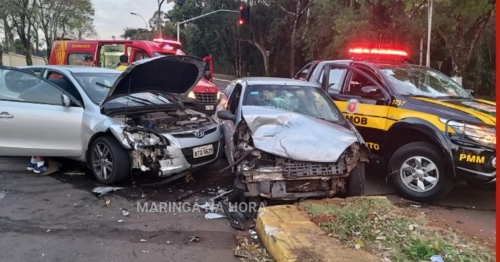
[285,228]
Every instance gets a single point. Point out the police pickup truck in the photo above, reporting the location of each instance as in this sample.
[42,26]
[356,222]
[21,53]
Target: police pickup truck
[423,127]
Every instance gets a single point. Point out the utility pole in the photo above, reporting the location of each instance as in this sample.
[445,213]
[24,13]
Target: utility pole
[160,2]
[429,29]
[421,51]
[145,24]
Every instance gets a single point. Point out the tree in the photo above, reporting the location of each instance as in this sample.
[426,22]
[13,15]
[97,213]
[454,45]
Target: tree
[22,14]
[136,34]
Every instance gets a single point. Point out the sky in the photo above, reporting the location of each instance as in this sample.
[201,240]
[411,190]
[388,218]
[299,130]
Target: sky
[112,16]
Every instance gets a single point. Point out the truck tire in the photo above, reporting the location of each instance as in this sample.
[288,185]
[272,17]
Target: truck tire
[418,172]
[106,149]
[356,181]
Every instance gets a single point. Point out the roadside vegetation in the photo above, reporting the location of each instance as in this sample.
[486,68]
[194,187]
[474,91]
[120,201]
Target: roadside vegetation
[393,233]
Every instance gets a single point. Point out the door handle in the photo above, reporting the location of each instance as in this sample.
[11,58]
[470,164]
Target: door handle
[6,115]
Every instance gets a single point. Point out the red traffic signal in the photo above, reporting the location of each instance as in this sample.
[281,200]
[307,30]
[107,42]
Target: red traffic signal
[244,15]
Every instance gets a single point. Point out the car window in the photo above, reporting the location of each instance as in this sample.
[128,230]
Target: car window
[335,79]
[234,99]
[358,81]
[96,85]
[36,71]
[21,86]
[229,88]
[307,100]
[301,75]
[74,58]
[422,81]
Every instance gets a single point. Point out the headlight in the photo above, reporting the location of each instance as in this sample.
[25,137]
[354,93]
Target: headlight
[481,134]
[191,95]
[218,95]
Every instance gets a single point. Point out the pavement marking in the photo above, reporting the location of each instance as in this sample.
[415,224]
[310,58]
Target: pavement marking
[285,228]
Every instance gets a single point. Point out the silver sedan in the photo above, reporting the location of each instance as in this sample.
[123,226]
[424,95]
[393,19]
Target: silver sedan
[115,122]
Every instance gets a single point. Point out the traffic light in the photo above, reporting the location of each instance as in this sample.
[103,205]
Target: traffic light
[244,15]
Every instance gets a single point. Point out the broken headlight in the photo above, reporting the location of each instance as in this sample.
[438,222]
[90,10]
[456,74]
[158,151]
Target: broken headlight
[483,134]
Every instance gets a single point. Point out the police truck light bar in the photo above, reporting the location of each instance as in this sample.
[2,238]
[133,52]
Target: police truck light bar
[376,51]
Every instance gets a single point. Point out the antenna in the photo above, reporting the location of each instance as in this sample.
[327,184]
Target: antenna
[128,98]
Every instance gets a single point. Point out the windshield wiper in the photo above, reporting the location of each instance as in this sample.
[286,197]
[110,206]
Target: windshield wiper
[144,101]
[102,85]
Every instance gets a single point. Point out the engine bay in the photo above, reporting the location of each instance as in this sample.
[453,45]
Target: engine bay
[168,121]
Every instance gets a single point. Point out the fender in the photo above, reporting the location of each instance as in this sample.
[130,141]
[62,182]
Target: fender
[429,130]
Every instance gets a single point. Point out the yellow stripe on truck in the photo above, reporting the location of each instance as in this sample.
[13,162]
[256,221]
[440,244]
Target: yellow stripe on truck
[491,103]
[383,117]
[487,119]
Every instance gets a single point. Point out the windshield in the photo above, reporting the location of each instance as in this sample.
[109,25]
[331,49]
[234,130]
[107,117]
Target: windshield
[96,85]
[306,100]
[422,81]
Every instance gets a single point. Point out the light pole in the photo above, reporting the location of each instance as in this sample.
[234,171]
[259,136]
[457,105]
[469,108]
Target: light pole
[429,29]
[200,16]
[145,24]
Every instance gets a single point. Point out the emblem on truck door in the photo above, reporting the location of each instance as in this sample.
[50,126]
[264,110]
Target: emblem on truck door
[352,106]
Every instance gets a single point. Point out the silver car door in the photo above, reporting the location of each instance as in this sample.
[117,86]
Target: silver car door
[33,120]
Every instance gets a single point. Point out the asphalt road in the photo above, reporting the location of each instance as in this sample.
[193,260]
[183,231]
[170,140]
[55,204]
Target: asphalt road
[58,218]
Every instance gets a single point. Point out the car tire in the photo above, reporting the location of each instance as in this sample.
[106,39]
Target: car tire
[356,181]
[114,152]
[436,184]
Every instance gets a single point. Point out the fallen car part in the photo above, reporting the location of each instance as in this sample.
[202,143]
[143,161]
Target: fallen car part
[213,216]
[218,196]
[194,239]
[101,191]
[236,218]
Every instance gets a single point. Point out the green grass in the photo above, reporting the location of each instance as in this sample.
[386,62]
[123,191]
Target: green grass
[398,234]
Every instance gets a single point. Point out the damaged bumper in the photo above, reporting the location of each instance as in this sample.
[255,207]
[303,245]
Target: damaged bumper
[180,152]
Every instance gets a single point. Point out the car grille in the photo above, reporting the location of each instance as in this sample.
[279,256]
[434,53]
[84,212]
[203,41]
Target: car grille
[303,169]
[184,135]
[205,98]
[188,154]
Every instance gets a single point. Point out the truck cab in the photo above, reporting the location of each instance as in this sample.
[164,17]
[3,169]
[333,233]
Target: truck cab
[106,54]
[425,129]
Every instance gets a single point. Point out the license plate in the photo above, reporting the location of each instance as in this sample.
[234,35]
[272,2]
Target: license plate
[202,151]
[209,107]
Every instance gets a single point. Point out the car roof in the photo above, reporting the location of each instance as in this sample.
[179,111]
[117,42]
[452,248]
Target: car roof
[75,68]
[276,81]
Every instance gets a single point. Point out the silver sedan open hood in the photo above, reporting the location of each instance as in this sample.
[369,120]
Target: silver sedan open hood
[296,136]
[175,74]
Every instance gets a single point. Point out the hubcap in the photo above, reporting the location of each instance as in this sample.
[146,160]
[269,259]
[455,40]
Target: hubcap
[102,161]
[419,174]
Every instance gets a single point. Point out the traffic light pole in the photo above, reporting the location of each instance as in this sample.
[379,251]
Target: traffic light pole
[200,16]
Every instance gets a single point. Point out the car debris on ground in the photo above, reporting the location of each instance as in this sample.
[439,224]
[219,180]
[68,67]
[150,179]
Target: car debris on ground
[101,191]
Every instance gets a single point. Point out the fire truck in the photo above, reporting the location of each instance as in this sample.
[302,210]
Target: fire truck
[106,54]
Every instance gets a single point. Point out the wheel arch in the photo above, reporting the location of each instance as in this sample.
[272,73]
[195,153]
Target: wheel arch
[415,129]
[107,132]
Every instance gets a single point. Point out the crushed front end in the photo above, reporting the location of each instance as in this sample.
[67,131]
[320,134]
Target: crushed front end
[262,174]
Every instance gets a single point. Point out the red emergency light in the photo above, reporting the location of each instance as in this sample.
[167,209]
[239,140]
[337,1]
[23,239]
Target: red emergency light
[166,41]
[376,51]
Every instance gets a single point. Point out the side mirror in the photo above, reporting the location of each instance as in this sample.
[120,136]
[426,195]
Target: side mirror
[65,100]
[371,92]
[470,91]
[207,75]
[225,115]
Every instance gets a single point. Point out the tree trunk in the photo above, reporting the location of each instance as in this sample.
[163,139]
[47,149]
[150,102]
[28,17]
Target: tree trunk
[1,55]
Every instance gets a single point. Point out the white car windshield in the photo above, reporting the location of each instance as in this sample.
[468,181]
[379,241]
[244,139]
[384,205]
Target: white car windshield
[422,81]
[306,100]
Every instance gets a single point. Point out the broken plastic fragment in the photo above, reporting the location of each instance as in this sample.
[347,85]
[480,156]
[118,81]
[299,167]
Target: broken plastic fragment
[194,239]
[125,213]
[119,221]
[104,190]
[213,216]
[437,258]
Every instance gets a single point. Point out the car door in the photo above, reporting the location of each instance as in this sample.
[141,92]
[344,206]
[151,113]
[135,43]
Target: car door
[33,120]
[368,112]
[229,126]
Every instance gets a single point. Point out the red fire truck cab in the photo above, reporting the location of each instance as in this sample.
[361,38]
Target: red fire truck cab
[107,54]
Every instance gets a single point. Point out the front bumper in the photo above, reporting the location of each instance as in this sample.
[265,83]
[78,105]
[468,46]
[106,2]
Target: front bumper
[206,106]
[474,164]
[181,151]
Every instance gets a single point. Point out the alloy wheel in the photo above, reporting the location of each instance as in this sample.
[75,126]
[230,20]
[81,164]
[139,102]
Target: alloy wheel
[102,161]
[419,174]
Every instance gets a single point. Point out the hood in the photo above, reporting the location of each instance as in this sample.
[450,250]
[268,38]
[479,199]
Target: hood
[205,86]
[296,136]
[174,74]
[473,110]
